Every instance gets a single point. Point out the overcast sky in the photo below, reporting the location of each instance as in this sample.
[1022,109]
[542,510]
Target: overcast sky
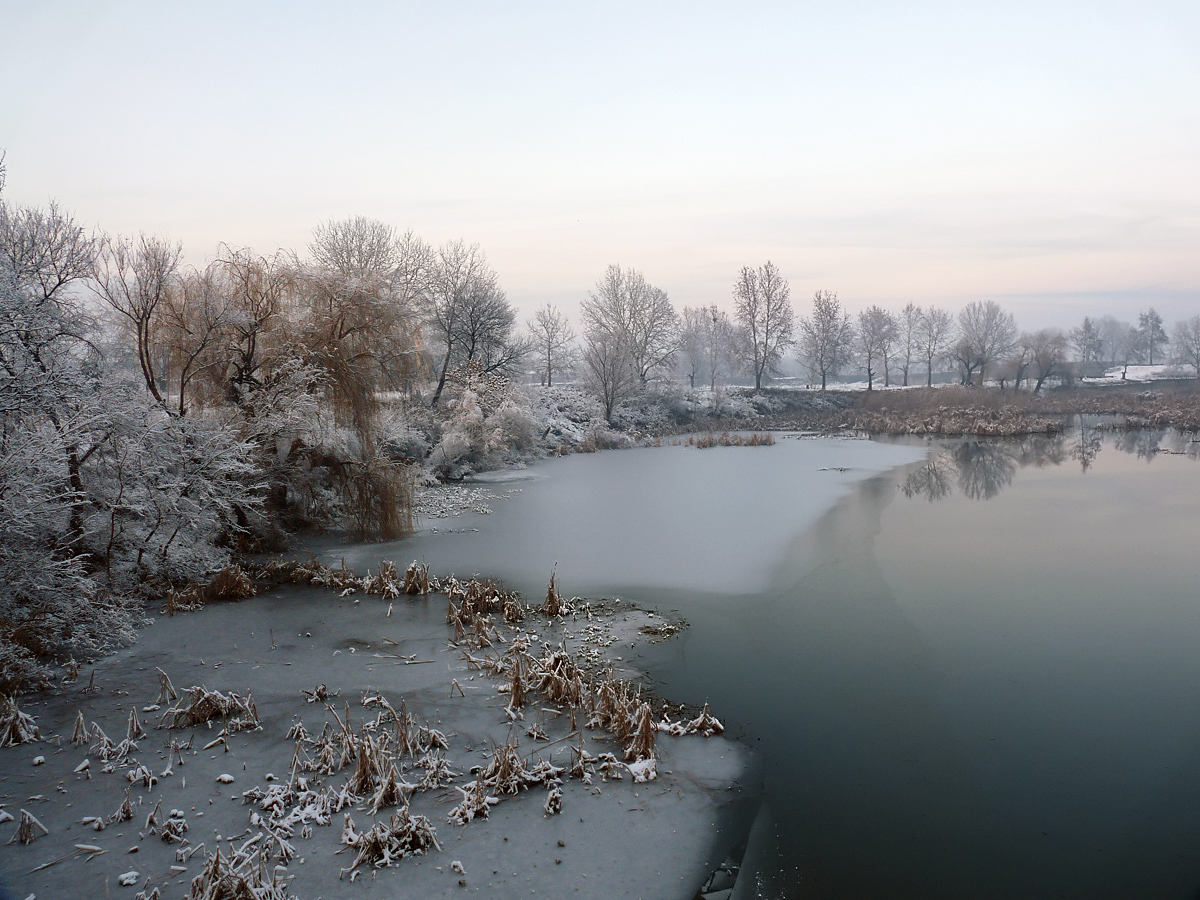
[1046,155]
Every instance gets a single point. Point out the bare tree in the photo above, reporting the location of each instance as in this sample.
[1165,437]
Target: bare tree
[1150,335]
[258,290]
[1121,339]
[611,371]
[827,337]
[195,314]
[355,247]
[552,341]
[1048,353]
[764,311]
[1186,343]
[986,334]
[355,325]
[691,342]
[629,310]
[485,330]
[933,338]
[1113,335]
[134,278]
[908,325]
[876,333]
[1087,341]
[720,343]
[463,278]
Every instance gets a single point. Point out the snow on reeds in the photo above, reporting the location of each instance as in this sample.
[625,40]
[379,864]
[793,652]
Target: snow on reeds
[16,727]
[202,705]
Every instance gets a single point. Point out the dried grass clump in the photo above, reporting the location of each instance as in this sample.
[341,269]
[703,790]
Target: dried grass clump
[243,876]
[641,747]
[312,572]
[133,730]
[476,801]
[614,704]
[187,599]
[386,843]
[386,583]
[166,690]
[16,727]
[416,579]
[202,705]
[124,812]
[555,606]
[725,439]
[705,724]
[559,678]
[80,734]
[29,828]
[231,583]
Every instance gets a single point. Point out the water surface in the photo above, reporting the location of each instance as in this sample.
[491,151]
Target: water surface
[969,675]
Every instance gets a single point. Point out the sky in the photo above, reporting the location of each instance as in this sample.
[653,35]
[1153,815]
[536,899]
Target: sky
[1044,155]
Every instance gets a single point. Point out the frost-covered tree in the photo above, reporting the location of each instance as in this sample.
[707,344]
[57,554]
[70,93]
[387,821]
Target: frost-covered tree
[934,333]
[552,343]
[876,335]
[710,344]
[134,277]
[101,491]
[826,337]
[763,309]
[908,338]
[633,319]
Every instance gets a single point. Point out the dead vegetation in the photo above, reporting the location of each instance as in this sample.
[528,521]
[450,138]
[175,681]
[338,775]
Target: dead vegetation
[16,727]
[389,842]
[202,705]
[243,875]
[726,439]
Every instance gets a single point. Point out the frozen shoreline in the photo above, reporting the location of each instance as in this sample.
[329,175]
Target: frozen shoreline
[667,833]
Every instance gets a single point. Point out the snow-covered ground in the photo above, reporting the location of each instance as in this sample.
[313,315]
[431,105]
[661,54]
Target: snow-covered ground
[1141,374]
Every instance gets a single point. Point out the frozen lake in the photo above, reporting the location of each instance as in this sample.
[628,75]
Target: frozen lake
[971,668]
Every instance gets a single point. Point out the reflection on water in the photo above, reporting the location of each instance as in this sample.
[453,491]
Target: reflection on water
[966,699]
[982,468]
[951,699]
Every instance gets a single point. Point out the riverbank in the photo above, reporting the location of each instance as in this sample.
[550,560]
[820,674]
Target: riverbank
[365,674]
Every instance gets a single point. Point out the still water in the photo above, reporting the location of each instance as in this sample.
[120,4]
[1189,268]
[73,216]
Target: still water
[971,668]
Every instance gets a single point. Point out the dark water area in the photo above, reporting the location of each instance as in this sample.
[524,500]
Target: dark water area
[971,675]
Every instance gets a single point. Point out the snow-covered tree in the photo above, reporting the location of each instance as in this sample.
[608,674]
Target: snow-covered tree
[552,343]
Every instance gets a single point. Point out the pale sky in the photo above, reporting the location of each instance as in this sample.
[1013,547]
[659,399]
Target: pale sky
[1045,155]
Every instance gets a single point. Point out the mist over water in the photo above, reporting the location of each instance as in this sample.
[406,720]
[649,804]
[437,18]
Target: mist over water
[970,668]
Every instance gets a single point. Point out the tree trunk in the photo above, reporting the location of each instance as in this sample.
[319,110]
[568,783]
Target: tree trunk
[437,394]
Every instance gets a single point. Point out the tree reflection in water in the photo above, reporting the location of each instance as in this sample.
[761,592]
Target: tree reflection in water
[983,468]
